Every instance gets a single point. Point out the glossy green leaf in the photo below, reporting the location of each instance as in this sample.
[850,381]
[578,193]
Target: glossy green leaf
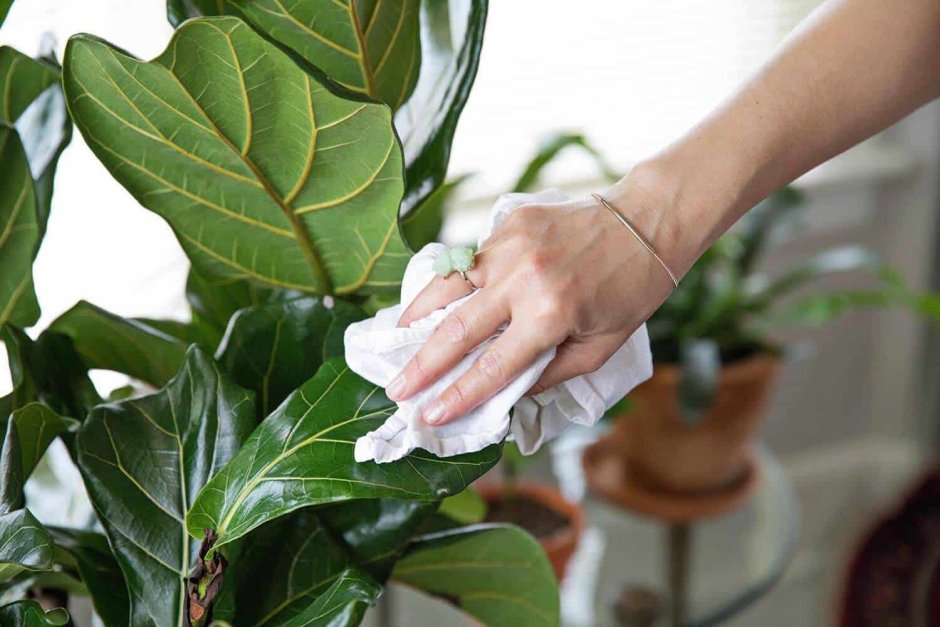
[99,572]
[370,47]
[30,614]
[262,170]
[37,426]
[497,574]
[143,462]
[19,234]
[30,78]
[451,40]
[111,342]
[303,553]
[343,605]
[423,224]
[273,348]
[302,454]
[550,148]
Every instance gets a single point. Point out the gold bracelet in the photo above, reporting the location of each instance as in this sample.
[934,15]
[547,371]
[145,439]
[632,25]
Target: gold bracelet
[639,237]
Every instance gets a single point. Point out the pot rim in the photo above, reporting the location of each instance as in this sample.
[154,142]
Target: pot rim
[551,498]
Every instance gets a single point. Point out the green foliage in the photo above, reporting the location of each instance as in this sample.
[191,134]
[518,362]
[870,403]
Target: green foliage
[31,614]
[549,150]
[34,129]
[319,424]
[272,348]
[494,573]
[110,342]
[302,195]
[144,460]
[267,148]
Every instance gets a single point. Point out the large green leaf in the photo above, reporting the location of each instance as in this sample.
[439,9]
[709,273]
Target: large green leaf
[451,40]
[302,454]
[273,348]
[99,572]
[262,169]
[343,605]
[19,233]
[144,460]
[304,552]
[370,47]
[110,342]
[447,47]
[30,614]
[498,574]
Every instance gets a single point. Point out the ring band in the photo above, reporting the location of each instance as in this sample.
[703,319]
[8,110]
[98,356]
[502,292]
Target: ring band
[466,278]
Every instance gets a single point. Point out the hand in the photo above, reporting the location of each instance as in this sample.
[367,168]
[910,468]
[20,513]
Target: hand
[566,275]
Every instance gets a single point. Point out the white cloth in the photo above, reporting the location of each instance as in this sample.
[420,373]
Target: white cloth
[377,350]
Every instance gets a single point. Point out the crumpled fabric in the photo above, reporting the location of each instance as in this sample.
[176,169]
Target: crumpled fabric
[377,350]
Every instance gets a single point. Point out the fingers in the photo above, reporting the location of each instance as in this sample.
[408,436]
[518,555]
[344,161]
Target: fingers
[502,362]
[576,358]
[439,293]
[462,331]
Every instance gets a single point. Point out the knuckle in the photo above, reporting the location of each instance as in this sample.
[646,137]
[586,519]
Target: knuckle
[454,396]
[454,328]
[490,365]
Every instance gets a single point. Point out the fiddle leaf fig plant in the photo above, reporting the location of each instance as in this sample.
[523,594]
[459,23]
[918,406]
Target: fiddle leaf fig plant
[281,142]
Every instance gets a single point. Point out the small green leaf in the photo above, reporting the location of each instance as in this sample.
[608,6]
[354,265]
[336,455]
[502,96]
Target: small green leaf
[498,574]
[302,454]
[131,347]
[144,460]
[344,604]
[30,614]
[467,507]
[274,347]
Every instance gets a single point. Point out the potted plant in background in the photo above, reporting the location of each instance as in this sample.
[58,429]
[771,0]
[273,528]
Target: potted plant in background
[280,144]
[715,365]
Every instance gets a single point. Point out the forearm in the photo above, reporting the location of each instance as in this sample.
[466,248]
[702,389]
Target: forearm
[854,68]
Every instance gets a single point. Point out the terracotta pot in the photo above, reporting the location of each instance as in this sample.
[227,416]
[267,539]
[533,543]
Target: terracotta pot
[559,546]
[668,455]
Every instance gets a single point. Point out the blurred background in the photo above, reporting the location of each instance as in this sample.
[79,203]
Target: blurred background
[855,417]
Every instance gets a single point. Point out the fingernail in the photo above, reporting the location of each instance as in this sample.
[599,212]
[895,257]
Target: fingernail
[434,414]
[396,388]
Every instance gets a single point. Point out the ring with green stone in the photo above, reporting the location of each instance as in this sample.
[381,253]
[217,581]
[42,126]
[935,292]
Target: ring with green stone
[455,259]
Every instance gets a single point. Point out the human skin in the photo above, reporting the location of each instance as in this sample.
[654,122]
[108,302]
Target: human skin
[569,275]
